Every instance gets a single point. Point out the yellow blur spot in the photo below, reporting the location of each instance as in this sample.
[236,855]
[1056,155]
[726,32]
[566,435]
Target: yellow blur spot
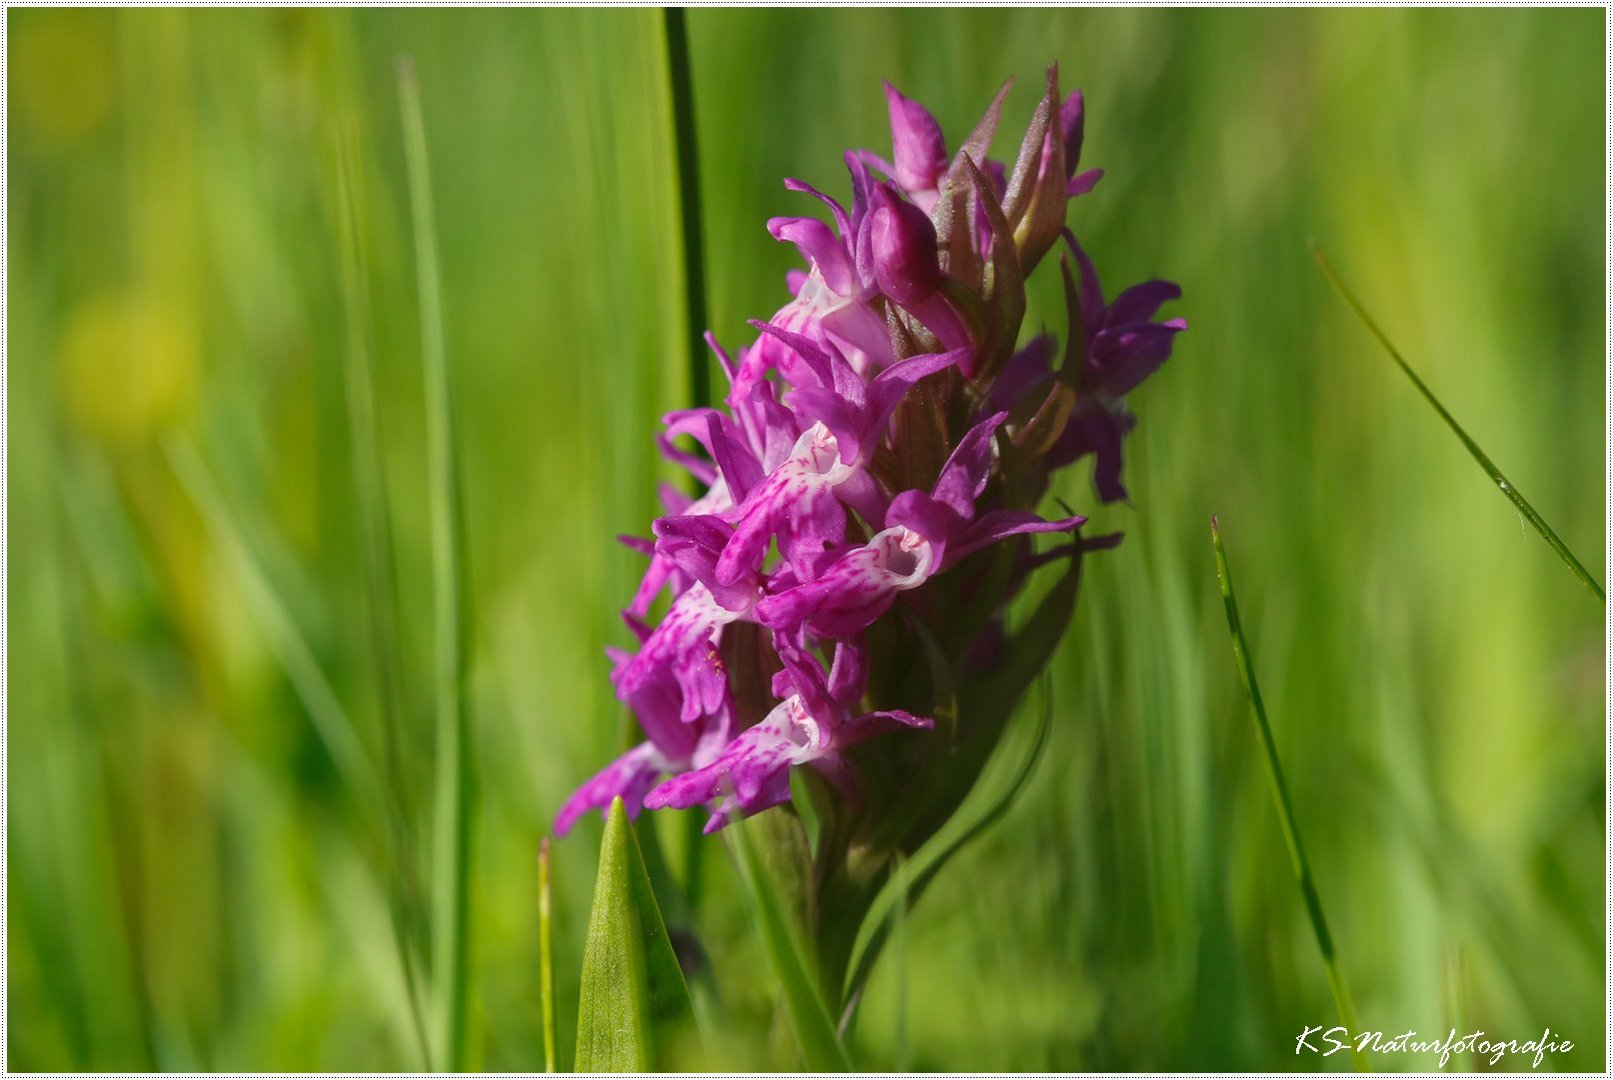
[127,367]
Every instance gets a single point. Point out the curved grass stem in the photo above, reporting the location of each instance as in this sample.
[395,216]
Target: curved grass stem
[1507,487]
[1285,809]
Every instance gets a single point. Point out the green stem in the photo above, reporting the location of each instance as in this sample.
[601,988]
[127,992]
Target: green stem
[450,869]
[546,953]
[688,154]
[1489,467]
[1285,809]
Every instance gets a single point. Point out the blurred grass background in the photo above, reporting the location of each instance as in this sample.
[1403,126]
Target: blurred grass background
[195,880]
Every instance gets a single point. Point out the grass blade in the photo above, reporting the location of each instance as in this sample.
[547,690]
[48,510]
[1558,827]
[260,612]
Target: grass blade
[1489,467]
[814,1032]
[635,1005]
[1279,790]
[450,862]
[369,481]
[331,722]
[546,953]
[679,75]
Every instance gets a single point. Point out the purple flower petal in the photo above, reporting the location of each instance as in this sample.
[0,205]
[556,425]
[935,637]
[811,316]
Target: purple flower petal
[630,776]
[819,246]
[918,146]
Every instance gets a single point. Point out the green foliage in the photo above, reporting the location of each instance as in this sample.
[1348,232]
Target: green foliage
[451,837]
[770,847]
[986,806]
[635,1005]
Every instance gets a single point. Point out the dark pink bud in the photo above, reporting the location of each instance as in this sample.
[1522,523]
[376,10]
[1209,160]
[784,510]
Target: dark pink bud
[906,262]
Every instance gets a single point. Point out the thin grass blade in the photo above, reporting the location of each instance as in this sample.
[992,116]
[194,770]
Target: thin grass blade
[1279,789]
[369,481]
[285,640]
[1508,489]
[451,857]
[681,81]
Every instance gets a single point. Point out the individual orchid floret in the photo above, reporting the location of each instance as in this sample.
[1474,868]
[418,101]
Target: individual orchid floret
[813,725]
[672,746]
[1124,345]
[685,644]
[663,571]
[926,534]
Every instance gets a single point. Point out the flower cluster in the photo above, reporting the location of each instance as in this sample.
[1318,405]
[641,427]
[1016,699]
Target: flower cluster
[874,476]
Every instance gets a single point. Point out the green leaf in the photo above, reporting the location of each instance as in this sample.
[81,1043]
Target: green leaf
[903,889]
[635,1005]
[809,1020]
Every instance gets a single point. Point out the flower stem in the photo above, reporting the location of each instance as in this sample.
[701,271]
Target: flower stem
[546,953]
[1285,809]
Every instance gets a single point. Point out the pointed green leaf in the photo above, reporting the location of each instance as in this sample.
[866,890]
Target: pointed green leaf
[809,1019]
[635,1005]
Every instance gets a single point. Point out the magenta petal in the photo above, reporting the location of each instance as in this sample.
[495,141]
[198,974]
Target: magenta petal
[749,769]
[964,475]
[917,143]
[1072,124]
[854,590]
[795,504]
[630,776]
[879,723]
[1001,524]
[1140,303]
[929,517]
[841,220]
[892,384]
[735,462]
[1084,182]
[818,246]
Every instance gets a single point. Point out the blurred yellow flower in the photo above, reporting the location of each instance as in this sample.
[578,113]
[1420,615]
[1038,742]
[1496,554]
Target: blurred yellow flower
[127,367]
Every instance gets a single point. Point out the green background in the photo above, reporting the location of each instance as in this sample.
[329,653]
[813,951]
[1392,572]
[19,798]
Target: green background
[192,882]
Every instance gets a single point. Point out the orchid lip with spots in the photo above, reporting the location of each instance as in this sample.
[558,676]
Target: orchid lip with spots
[871,491]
